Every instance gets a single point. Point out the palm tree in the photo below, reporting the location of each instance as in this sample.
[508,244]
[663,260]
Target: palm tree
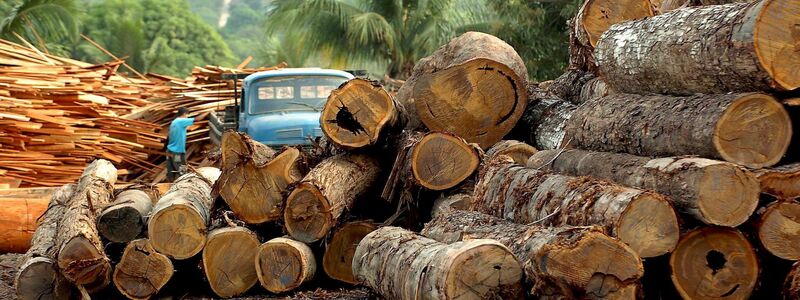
[394,32]
[42,20]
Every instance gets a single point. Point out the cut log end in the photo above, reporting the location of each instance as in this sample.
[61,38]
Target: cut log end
[228,261]
[283,264]
[142,271]
[120,225]
[338,259]
[489,96]
[778,229]
[754,131]
[483,271]
[356,113]
[461,201]
[81,263]
[307,217]
[39,279]
[714,262]
[441,161]
[177,231]
[775,37]
[649,225]
[597,16]
[727,195]
[781,182]
[518,151]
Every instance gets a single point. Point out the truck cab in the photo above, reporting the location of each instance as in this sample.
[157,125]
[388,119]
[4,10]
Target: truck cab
[280,107]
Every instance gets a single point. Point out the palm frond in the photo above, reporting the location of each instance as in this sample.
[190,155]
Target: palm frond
[51,19]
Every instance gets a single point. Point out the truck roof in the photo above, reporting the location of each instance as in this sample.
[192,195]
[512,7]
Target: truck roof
[295,71]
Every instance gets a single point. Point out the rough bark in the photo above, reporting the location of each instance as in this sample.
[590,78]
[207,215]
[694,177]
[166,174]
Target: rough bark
[713,49]
[228,258]
[544,120]
[782,182]
[779,229]
[441,160]
[714,263]
[642,219]
[124,219]
[751,129]
[177,226]
[338,259]
[360,113]
[38,277]
[560,262]
[473,86]
[329,189]
[594,88]
[791,287]
[284,264]
[399,264]
[663,6]
[596,16]
[81,256]
[254,178]
[142,271]
[518,151]
[714,192]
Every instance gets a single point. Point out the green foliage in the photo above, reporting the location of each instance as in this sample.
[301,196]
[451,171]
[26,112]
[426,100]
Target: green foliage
[40,21]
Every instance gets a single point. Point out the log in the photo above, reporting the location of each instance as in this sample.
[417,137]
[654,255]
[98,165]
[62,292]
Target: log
[38,277]
[142,271]
[543,123]
[254,177]
[714,263]
[338,259]
[81,256]
[642,219]
[124,219]
[329,189]
[662,6]
[228,260]
[459,201]
[779,229]
[399,264]
[18,219]
[713,49]
[596,16]
[713,192]
[594,88]
[441,161]
[284,264]
[570,262]
[791,287]
[751,129]
[177,226]
[473,86]
[518,151]
[782,182]
[361,113]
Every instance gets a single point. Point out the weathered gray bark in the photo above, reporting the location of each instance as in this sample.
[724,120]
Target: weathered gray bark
[543,123]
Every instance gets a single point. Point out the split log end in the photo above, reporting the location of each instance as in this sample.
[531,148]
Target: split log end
[649,225]
[754,131]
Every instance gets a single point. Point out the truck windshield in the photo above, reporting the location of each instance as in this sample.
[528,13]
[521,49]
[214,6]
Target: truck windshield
[291,93]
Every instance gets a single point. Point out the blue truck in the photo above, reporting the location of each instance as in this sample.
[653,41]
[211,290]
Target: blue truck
[279,107]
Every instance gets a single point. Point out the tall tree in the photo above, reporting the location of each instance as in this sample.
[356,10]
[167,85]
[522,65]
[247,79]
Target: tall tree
[40,21]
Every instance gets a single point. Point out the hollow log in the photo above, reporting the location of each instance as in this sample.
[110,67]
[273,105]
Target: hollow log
[38,277]
[782,182]
[518,151]
[142,271]
[712,49]
[473,86]
[284,264]
[570,262]
[714,192]
[338,259]
[361,113]
[714,263]
[228,258]
[459,201]
[177,226]
[441,161]
[329,189]
[779,229]
[81,256]
[124,219]
[254,177]
[642,219]
[399,264]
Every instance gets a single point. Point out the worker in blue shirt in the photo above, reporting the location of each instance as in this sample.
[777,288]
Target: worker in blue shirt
[176,144]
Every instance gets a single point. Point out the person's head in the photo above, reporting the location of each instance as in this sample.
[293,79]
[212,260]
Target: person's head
[182,112]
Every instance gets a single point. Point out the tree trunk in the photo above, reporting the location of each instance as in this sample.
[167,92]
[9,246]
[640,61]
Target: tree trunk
[142,271]
[779,229]
[338,259]
[177,226]
[474,86]
[713,49]
[81,256]
[663,6]
[751,129]
[329,189]
[518,151]
[124,219]
[441,161]
[594,88]
[644,220]
[596,16]
[399,264]
[459,201]
[37,277]
[570,262]
[714,192]
[791,287]
[783,182]
[18,223]
[714,263]
[284,264]
[228,260]
[545,118]
[254,177]
[361,113]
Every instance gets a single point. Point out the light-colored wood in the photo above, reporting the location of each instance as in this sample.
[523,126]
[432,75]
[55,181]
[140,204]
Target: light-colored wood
[596,16]
[518,151]
[440,160]
[782,182]
[459,201]
[714,263]
[142,271]
[779,229]
[228,260]
[791,286]
[283,264]
[18,223]
[177,225]
[338,259]
[124,219]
